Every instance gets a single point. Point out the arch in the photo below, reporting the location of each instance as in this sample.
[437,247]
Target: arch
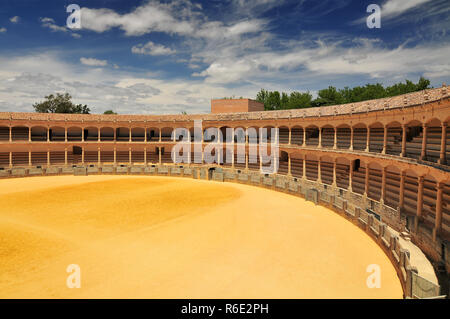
[283,163]
[394,138]
[74,134]
[152,134]
[38,134]
[4,134]
[122,134]
[433,141]
[107,134]
[359,137]
[138,135]
[376,139]
[312,135]
[91,134]
[166,134]
[327,136]
[375,181]
[327,169]
[312,165]
[392,192]
[57,134]
[284,135]
[210,134]
[343,136]
[414,136]
[253,134]
[297,135]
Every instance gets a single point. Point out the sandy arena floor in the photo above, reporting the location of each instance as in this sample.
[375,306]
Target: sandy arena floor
[155,237]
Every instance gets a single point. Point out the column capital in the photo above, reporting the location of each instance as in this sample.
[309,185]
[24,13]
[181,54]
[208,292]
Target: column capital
[444,124]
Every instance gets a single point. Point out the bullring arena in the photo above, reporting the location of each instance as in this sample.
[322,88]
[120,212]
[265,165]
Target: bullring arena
[358,184]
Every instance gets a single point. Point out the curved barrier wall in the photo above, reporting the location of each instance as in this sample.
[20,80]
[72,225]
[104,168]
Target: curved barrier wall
[389,157]
[413,285]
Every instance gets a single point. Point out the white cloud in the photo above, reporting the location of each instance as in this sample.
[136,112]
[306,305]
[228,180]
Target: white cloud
[3,30]
[151,48]
[14,19]
[178,17]
[93,62]
[396,7]
[50,24]
[25,80]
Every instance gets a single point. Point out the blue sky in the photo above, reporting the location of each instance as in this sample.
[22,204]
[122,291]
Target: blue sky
[160,57]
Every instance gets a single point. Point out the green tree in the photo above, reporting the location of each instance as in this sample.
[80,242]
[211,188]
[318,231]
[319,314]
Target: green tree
[109,112]
[60,103]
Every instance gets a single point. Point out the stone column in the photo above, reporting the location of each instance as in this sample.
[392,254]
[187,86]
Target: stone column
[65,134]
[442,159]
[115,156]
[10,160]
[368,140]
[403,154]
[304,167]
[29,134]
[99,157]
[29,158]
[98,133]
[438,220]
[424,143]
[82,155]
[289,165]
[335,139]
[351,138]
[115,134]
[129,135]
[320,138]
[82,134]
[160,138]
[419,202]
[48,157]
[350,177]
[10,134]
[385,140]
[129,156]
[145,135]
[48,134]
[290,135]
[159,151]
[319,171]
[65,156]
[145,153]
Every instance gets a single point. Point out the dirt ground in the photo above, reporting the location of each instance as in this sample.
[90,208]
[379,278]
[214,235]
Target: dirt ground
[156,237]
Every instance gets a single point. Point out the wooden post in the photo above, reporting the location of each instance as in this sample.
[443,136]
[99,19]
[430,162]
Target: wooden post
[335,138]
[351,138]
[289,165]
[320,138]
[385,140]
[368,140]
